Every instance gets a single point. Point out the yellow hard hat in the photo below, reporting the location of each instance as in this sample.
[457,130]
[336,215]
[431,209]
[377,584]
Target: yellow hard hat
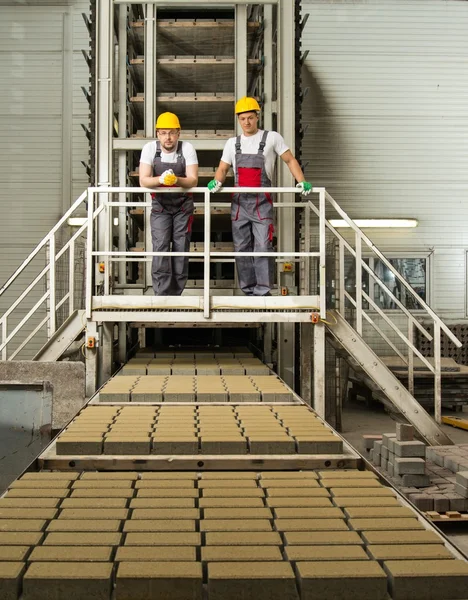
[246,104]
[167,120]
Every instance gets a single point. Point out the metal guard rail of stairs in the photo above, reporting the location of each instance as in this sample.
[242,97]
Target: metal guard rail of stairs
[326,202]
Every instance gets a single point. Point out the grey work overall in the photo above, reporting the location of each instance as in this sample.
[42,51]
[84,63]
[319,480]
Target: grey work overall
[252,221]
[171,221]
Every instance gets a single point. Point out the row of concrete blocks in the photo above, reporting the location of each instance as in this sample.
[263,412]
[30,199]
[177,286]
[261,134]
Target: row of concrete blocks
[202,369]
[92,445]
[454,458]
[401,459]
[231,397]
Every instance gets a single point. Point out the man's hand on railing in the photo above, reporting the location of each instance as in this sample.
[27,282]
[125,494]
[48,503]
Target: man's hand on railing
[214,186]
[167,178]
[305,188]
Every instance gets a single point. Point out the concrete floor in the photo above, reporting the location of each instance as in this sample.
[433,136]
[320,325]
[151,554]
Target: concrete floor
[359,419]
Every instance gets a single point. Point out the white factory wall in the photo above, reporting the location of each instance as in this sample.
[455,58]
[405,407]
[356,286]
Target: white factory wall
[42,142]
[387,117]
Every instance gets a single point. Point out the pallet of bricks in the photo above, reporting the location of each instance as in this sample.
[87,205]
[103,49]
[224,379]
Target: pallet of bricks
[434,479]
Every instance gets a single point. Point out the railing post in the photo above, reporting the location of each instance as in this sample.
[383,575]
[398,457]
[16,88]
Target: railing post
[410,358]
[89,256]
[437,375]
[307,214]
[358,283]
[323,258]
[206,251]
[71,278]
[52,316]
[4,337]
[341,291]
[107,243]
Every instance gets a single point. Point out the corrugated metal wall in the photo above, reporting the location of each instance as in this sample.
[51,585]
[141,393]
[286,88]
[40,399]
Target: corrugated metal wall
[388,124]
[41,71]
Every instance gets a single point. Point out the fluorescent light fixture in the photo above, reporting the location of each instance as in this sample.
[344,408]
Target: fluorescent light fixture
[76,221]
[381,223]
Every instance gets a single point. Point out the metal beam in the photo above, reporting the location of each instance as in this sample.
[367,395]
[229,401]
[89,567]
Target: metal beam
[199,144]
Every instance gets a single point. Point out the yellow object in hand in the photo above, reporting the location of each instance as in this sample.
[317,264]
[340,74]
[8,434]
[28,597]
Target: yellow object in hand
[170,179]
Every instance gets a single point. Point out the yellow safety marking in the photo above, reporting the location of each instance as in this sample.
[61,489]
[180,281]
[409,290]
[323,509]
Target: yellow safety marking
[456,422]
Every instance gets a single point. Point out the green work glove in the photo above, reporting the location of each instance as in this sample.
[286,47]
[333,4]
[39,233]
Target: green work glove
[214,186]
[305,188]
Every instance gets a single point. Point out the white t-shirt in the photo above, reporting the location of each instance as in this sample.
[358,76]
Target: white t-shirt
[188,152]
[275,145]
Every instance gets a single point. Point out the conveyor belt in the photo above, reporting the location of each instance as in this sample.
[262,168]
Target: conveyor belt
[218,525]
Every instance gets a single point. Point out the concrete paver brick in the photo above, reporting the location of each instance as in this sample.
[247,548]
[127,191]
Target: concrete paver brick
[10,579]
[38,493]
[86,525]
[27,513]
[92,503]
[238,513]
[243,538]
[164,483]
[49,475]
[68,446]
[13,553]
[93,513]
[326,552]
[409,551]
[363,501]
[230,503]
[331,512]
[235,525]
[424,502]
[330,482]
[38,484]
[301,502]
[169,475]
[403,466]
[167,493]
[404,432]
[361,492]
[384,524]
[340,580]
[228,475]
[422,579]
[297,492]
[416,480]
[289,483]
[175,445]
[8,525]
[233,492]
[173,538]
[20,538]
[156,553]
[400,537]
[71,554]
[175,580]
[270,445]
[29,502]
[378,512]
[289,475]
[101,476]
[311,525]
[103,493]
[162,503]
[410,449]
[234,580]
[323,538]
[166,513]
[240,553]
[347,474]
[150,525]
[105,484]
[67,580]
[311,444]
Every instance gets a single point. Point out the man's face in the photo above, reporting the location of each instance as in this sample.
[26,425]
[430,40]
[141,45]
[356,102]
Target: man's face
[248,122]
[168,138]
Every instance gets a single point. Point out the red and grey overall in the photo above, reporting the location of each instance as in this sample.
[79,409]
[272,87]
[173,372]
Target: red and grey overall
[252,221]
[171,221]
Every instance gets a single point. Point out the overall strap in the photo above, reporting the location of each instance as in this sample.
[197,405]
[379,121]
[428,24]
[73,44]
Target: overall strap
[238,145]
[158,150]
[179,150]
[261,146]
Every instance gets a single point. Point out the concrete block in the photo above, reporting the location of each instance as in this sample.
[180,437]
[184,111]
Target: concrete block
[309,513]
[424,502]
[71,554]
[92,503]
[378,512]
[162,503]
[103,493]
[327,552]
[461,490]
[377,447]
[390,446]
[147,525]
[155,554]
[235,525]
[409,551]
[412,466]
[105,484]
[462,478]
[315,444]
[240,553]
[223,444]
[121,445]
[362,492]
[368,524]
[301,502]
[272,445]
[10,525]
[178,445]
[377,459]
[384,452]
[386,437]
[93,513]
[67,580]
[101,476]
[234,580]
[390,468]
[167,493]
[441,503]
[231,503]
[172,538]
[323,538]
[175,580]
[237,492]
[422,579]
[27,513]
[424,536]
[412,449]
[68,446]
[10,579]
[457,502]
[165,483]
[416,480]
[369,440]
[165,513]
[243,538]
[79,525]
[288,483]
[29,502]
[13,553]
[20,538]
[404,432]
[362,580]
[383,463]
[366,502]
[238,513]
[341,482]
[311,525]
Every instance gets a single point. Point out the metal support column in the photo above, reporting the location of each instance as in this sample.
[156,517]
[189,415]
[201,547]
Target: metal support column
[306,363]
[267,108]
[286,126]
[241,54]
[91,360]
[319,369]
[105,352]
[150,110]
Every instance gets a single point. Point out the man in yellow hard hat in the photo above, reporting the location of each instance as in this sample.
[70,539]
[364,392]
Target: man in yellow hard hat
[253,156]
[169,162]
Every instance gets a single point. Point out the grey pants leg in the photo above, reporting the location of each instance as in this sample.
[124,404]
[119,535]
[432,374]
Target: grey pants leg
[243,242]
[181,234]
[161,233]
[262,265]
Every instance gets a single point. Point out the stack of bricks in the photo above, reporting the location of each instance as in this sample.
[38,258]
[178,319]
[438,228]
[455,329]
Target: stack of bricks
[218,536]
[198,429]
[430,476]
[186,387]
